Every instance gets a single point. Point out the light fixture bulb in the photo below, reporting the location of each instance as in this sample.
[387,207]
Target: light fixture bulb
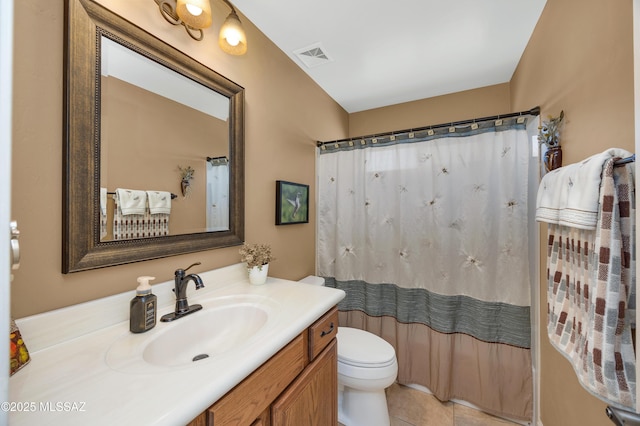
[194,10]
[194,13]
[232,38]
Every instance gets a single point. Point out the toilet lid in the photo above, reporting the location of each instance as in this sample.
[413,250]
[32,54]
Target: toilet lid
[361,348]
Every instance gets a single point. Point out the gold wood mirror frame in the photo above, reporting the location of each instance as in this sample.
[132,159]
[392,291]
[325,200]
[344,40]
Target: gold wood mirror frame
[85,23]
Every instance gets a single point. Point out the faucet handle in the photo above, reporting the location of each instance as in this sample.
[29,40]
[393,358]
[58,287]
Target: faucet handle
[191,266]
[182,271]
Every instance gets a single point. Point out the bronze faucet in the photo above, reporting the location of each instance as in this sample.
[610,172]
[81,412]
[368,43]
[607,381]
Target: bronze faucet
[182,306]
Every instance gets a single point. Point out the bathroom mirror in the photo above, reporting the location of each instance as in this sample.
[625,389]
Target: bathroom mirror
[145,108]
[92,131]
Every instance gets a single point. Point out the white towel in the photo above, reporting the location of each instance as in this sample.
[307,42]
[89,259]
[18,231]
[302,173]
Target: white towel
[103,201]
[131,201]
[569,195]
[103,213]
[159,202]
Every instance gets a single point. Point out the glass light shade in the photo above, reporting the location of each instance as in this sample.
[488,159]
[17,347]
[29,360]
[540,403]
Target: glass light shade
[232,38]
[187,11]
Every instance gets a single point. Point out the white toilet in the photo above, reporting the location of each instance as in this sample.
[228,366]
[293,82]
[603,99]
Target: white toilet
[367,365]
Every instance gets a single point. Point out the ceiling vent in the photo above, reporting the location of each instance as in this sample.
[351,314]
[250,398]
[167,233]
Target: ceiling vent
[313,55]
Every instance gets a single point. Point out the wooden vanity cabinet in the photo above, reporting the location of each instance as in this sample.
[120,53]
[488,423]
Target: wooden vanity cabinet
[297,386]
[306,402]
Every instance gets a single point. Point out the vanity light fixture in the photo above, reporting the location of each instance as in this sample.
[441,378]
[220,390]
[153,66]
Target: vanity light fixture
[232,39]
[194,15]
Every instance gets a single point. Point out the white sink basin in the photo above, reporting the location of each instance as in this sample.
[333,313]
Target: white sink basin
[223,324]
[205,334]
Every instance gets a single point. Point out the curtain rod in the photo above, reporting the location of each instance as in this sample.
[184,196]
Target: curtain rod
[532,111]
[217,161]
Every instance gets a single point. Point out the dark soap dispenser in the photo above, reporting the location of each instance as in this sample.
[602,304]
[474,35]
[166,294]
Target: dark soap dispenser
[143,307]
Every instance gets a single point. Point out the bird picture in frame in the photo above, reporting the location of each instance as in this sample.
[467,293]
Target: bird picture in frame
[292,203]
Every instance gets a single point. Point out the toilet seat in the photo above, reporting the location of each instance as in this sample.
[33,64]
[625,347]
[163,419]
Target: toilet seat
[359,348]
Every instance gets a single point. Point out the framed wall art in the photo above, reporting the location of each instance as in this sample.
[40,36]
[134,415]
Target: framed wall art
[292,203]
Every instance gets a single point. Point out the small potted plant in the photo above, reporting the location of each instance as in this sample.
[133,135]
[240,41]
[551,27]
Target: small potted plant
[257,257]
[549,135]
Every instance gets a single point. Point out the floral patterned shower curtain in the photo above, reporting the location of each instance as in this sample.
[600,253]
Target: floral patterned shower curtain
[428,236]
[217,194]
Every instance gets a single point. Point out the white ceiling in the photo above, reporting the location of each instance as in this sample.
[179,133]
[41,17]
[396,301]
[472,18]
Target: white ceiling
[388,52]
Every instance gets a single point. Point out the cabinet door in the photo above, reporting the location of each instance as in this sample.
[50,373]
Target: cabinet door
[245,403]
[312,399]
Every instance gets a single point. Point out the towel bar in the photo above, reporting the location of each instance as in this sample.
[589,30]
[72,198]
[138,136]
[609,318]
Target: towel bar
[623,418]
[173,196]
[624,161]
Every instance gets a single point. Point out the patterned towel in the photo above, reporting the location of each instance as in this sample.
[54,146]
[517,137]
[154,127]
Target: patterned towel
[133,226]
[591,283]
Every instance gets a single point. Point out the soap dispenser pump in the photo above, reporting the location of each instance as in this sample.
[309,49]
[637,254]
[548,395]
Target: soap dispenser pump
[143,307]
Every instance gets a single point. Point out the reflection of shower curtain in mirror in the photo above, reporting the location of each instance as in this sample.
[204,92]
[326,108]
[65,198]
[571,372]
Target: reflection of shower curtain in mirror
[429,239]
[217,197]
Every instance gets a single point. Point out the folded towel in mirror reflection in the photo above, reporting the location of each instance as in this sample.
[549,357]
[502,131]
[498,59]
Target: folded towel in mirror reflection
[131,201]
[103,201]
[103,212]
[159,202]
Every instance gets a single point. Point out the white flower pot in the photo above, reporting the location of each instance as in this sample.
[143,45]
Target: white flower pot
[258,275]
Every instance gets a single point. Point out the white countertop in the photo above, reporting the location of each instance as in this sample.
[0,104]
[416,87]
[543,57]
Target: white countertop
[69,382]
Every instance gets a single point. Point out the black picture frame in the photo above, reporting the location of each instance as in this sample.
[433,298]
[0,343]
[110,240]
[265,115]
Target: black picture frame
[292,203]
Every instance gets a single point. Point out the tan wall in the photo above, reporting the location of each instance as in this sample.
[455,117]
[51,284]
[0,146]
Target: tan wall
[580,60]
[481,102]
[285,113]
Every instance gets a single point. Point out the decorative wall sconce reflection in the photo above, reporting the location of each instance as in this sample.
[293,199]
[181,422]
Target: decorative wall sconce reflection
[186,174]
[195,15]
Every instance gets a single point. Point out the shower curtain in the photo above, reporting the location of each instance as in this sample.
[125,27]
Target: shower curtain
[218,195]
[428,236]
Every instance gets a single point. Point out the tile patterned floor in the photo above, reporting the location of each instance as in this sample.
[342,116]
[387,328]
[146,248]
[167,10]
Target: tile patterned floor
[411,407]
